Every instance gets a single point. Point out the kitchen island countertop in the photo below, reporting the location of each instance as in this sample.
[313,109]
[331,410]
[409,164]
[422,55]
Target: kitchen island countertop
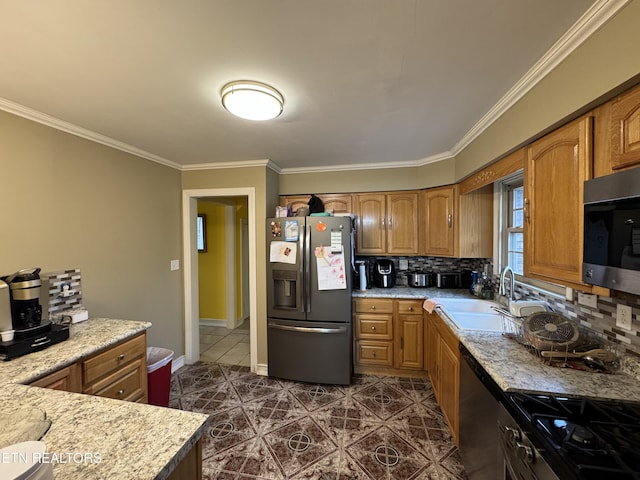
[93,437]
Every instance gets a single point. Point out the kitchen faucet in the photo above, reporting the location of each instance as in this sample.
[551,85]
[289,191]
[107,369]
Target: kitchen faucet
[506,270]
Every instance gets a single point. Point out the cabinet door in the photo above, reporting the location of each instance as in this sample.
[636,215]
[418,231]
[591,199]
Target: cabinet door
[431,346]
[438,233]
[449,374]
[625,130]
[557,166]
[402,223]
[337,203]
[409,342]
[371,216]
[66,379]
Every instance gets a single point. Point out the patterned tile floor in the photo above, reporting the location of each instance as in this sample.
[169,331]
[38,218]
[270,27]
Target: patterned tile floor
[266,428]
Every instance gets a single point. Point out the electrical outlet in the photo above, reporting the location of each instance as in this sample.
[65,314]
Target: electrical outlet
[175,265]
[623,317]
[404,264]
[588,300]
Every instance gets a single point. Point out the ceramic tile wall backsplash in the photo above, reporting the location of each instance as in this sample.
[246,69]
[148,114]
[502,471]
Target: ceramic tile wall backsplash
[601,319]
[64,291]
[434,264]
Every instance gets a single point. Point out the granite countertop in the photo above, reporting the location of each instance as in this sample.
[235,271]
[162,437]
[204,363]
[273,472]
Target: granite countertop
[95,437]
[412,293]
[515,368]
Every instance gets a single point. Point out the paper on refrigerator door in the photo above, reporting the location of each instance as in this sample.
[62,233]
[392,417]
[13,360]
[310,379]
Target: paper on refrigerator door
[331,269]
[283,252]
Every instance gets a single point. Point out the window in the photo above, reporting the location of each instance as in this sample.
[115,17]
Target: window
[513,224]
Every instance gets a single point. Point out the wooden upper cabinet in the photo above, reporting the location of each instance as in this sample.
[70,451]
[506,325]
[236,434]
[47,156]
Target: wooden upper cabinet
[556,168]
[333,202]
[402,223]
[387,223]
[625,130]
[438,224]
[371,220]
[457,225]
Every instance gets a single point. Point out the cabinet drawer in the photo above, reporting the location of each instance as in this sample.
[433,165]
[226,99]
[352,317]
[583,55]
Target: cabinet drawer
[374,305]
[410,307]
[106,362]
[379,327]
[126,384]
[375,353]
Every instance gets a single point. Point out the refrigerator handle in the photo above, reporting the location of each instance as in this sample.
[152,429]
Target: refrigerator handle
[301,291]
[307,280]
[292,328]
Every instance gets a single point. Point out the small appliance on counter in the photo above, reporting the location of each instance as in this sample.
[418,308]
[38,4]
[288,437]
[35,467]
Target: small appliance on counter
[20,311]
[420,279]
[448,280]
[384,273]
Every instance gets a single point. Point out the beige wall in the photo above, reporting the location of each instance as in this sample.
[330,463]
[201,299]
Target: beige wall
[607,59]
[71,203]
[375,180]
[265,182]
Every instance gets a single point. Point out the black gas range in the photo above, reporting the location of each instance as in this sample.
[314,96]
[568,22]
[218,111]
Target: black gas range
[579,439]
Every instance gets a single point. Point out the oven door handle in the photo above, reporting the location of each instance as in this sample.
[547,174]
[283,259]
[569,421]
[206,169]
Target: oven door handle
[291,328]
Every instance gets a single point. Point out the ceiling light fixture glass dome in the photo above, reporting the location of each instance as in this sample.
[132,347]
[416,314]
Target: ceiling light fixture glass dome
[252,100]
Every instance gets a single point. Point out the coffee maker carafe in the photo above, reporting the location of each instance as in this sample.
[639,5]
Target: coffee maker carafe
[24,289]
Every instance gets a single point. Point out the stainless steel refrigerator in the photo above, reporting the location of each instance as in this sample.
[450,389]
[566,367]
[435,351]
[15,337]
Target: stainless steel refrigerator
[309,283]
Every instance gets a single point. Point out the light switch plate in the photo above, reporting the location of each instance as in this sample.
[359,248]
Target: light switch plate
[588,300]
[623,317]
[175,265]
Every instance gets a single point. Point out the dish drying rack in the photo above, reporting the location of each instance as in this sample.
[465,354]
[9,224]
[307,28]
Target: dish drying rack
[561,342]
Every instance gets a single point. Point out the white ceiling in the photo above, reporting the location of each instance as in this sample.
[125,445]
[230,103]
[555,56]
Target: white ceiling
[366,82]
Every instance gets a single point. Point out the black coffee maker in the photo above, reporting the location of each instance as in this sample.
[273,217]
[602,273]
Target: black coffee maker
[26,311]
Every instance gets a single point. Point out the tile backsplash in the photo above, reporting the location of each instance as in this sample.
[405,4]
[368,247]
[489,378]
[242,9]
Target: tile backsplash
[602,318]
[63,289]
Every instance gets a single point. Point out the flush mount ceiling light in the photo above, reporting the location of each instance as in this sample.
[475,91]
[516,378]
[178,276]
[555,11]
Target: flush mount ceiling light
[252,100]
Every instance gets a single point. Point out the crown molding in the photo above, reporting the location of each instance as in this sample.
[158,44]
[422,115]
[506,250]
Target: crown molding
[598,14]
[222,165]
[368,166]
[53,122]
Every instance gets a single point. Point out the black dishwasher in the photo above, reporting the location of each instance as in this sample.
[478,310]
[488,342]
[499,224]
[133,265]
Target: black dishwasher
[479,439]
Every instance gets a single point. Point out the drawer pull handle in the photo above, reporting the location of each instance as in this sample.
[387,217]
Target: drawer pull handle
[373,328]
[373,307]
[374,355]
[411,309]
[121,357]
[121,392]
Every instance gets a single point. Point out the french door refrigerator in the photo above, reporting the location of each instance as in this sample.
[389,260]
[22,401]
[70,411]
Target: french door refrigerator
[309,283]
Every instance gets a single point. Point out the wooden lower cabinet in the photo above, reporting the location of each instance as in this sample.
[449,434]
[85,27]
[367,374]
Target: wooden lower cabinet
[190,467]
[388,336]
[443,363]
[66,379]
[119,372]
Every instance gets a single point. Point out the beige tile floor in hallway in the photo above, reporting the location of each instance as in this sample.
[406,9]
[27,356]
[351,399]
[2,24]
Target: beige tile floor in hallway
[221,345]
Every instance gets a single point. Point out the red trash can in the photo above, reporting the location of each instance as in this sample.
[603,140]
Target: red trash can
[159,375]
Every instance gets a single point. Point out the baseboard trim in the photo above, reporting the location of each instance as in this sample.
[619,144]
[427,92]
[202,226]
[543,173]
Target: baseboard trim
[212,322]
[262,369]
[177,363]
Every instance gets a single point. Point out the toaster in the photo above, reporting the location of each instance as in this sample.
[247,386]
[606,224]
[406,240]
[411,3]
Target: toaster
[448,280]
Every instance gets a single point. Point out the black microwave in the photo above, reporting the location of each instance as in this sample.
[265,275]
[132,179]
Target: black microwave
[612,231]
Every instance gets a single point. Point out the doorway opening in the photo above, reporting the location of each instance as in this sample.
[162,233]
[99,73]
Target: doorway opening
[191,269]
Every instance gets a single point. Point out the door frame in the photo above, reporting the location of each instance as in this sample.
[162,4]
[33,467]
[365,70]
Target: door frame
[190,271]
